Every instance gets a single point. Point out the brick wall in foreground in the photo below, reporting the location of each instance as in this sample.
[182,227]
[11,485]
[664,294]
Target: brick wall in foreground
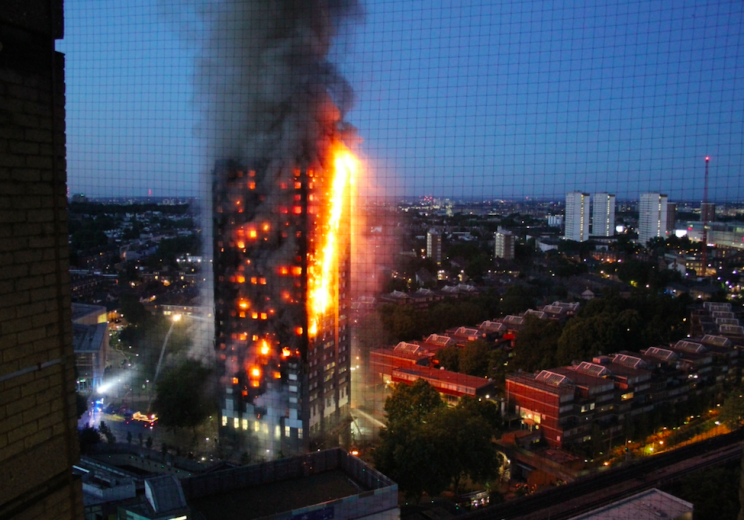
[38,440]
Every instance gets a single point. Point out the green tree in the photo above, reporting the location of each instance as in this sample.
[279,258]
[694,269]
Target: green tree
[535,345]
[88,437]
[517,299]
[414,456]
[427,446]
[474,359]
[414,402]
[466,439]
[484,408]
[183,396]
[732,410]
[449,358]
[134,312]
[409,451]
[477,266]
[583,338]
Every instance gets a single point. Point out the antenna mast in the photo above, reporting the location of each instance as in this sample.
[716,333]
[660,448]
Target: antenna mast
[704,215]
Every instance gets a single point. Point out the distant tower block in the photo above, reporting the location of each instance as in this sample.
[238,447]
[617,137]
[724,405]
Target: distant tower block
[577,216]
[434,246]
[652,217]
[603,219]
[671,217]
[504,244]
[708,212]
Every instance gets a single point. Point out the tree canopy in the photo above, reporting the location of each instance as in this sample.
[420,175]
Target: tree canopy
[732,411]
[474,359]
[427,446]
[414,402]
[184,398]
[518,298]
[536,344]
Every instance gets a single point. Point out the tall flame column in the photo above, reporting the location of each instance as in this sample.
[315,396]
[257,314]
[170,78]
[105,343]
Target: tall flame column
[281,272]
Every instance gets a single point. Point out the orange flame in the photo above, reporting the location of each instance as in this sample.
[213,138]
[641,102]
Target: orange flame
[323,269]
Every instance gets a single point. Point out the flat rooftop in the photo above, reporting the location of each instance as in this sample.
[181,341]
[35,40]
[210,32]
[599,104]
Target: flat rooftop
[647,505]
[253,502]
[88,338]
[80,310]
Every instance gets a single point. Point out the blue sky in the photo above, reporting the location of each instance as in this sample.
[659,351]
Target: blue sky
[472,98]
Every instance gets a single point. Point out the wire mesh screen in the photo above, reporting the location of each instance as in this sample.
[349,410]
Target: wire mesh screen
[471,129]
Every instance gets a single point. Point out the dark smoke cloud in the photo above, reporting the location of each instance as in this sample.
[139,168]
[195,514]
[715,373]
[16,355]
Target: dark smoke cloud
[263,76]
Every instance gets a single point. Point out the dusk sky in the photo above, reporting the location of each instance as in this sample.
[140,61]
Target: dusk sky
[474,98]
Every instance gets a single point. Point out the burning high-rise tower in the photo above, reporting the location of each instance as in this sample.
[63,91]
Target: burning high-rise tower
[281,274]
[281,195]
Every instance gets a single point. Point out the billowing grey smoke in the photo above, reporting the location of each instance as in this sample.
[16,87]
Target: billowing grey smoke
[263,75]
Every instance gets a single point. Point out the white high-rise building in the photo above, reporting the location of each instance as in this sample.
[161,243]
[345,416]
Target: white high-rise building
[577,216]
[603,214]
[504,244]
[434,246]
[652,217]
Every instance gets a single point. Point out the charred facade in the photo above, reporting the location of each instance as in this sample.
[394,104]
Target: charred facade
[284,364]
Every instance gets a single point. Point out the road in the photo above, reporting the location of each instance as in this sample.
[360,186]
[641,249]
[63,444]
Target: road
[589,493]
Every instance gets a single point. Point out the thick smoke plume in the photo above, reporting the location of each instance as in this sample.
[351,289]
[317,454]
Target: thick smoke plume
[265,89]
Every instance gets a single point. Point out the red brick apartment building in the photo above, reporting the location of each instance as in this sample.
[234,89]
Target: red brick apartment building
[409,362]
[38,438]
[565,402]
[452,386]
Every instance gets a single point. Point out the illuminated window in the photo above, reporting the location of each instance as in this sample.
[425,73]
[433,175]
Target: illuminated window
[245,424]
[236,423]
[287,430]
[224,420]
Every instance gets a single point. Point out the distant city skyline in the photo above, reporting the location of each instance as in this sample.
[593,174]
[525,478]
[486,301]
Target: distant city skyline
[512,100]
